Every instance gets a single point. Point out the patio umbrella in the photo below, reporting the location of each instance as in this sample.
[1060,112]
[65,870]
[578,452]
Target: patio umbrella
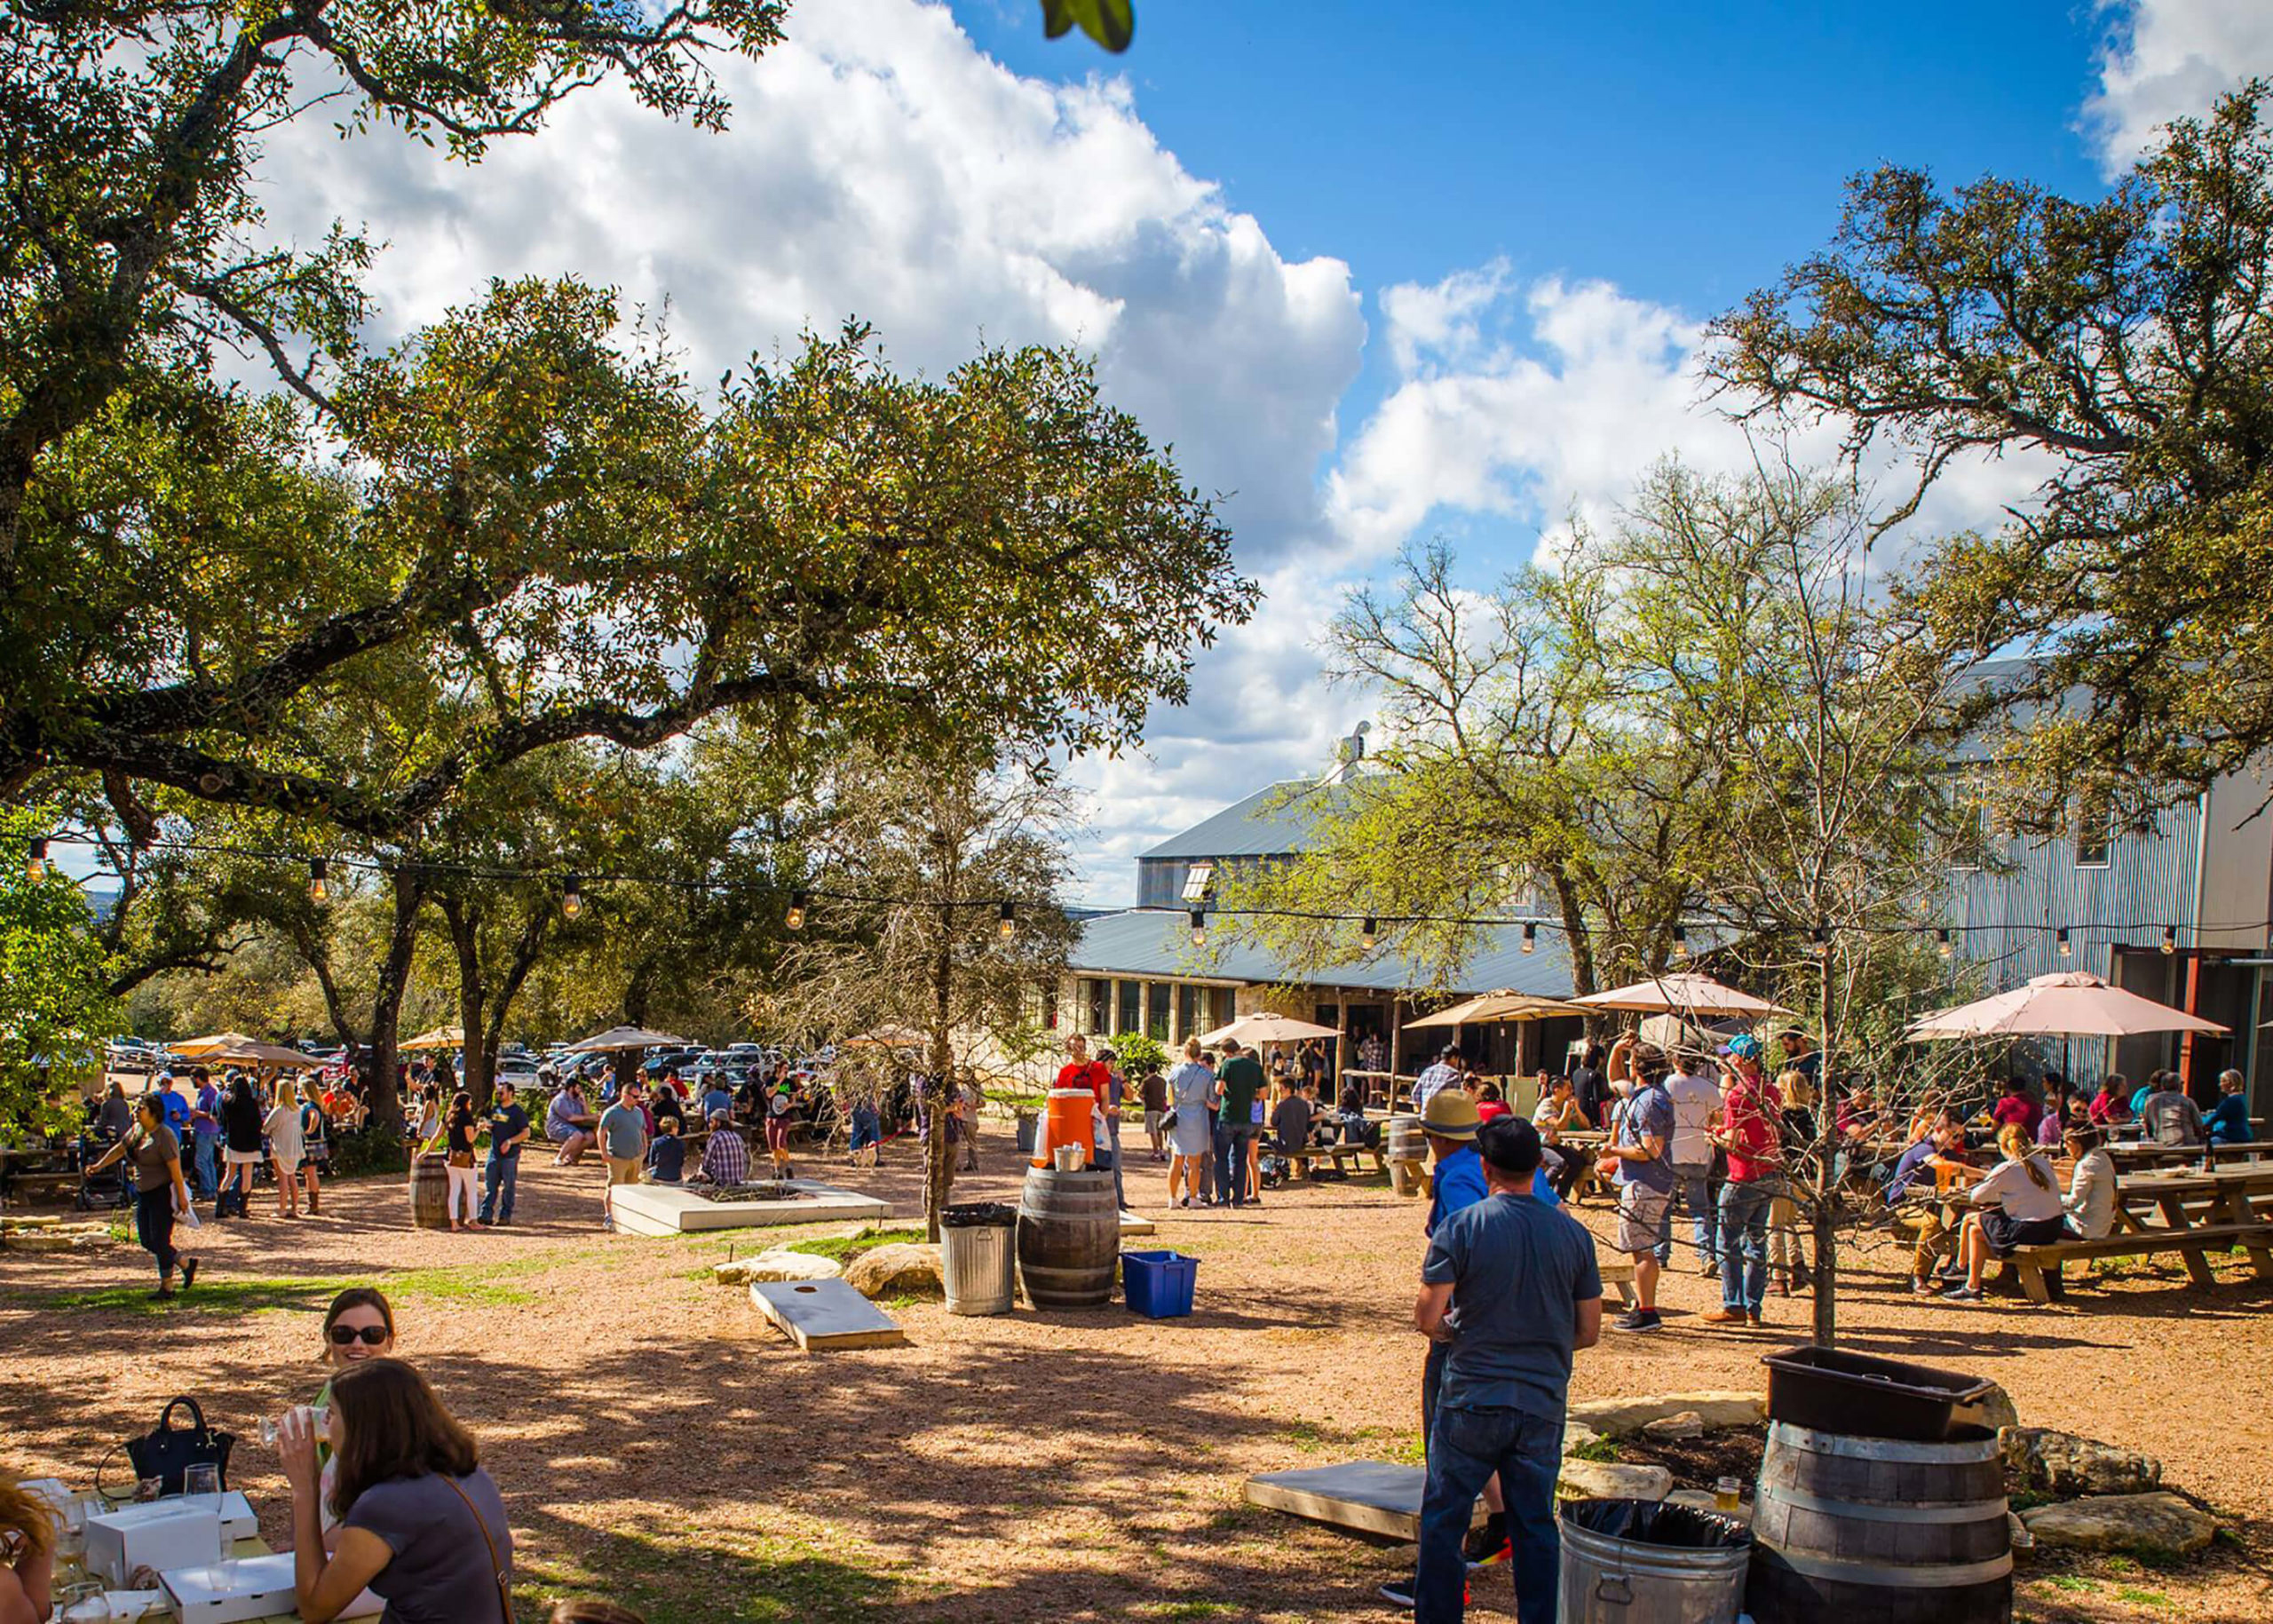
[2070,1003]
[889,1037]
[209,1048]
[1683,992]
[440,1037]
[1497,1007]
[626,1037]
[252,1051]
[1265,1027]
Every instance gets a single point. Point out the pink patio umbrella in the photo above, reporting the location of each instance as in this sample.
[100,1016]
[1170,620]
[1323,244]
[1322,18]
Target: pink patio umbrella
[2072,1003]
[1680,992]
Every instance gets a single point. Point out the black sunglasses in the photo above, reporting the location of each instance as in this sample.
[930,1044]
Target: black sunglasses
[372,1335]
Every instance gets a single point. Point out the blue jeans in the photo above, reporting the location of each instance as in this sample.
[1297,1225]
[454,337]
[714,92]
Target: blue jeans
[497,1179]
[1239,1137]
[1223,1162]
[205,1164]
[1744,1234]
[1693,1185]
[1465,1447]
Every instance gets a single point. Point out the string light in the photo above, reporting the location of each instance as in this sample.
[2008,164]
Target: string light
[1531,935]
[1942,943]
[1681,941]
[319,873]
[1199,927]
[36,861]
[1370,934]
[2060,939]
[1006,923]
[1821,939]
[795,917]
[2170,940]
[572,897]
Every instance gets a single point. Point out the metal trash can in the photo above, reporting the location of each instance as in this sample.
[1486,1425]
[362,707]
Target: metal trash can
[978,1261]
[1644,1561]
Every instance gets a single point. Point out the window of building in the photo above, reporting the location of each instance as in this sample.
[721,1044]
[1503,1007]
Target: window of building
[1156,1010]
[1971,825]
[1197,883]
[1132,1005]
[2095,831]
[1096,1005]
[1223,1007]
[1187,1012]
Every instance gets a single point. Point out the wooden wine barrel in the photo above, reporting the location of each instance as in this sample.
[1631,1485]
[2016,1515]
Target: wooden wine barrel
[1404,1141]
[1880,1531]
[430,1189]
[1069,1237]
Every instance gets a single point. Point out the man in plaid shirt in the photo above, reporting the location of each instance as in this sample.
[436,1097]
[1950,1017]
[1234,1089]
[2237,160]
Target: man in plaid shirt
[725,1160]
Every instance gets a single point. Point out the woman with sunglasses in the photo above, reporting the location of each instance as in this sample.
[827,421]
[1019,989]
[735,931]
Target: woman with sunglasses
[358,1326]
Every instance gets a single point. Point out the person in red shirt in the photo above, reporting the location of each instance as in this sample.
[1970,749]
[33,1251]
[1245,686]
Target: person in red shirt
[2016,1109]
[1751,1131]
[1489,1105]
[1081,1071]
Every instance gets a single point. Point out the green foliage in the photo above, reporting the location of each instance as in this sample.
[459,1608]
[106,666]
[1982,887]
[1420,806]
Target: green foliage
[366,1150]
[1139,1053]
[2127,341]
[1111,23]
[1602,1449]
[56,1009]
[844,1249]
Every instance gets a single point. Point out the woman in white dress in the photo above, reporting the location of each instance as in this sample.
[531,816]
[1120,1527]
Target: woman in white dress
[1192,1094]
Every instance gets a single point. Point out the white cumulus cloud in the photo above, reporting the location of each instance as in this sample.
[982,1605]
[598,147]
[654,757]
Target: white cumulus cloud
[2168,59]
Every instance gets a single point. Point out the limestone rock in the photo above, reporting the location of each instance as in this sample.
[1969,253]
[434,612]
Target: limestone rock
[2159,1525]
[1576,1437]
[1615,1480]
[776,1265]
[1687,1423]
[57,1240]
[1714,1410]
[897,1270]
[2037,1458]
[1993,1410]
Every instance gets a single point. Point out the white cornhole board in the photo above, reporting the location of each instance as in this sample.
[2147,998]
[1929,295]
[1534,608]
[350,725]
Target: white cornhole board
[817,1314]
[1369,1496]
[1131,1223]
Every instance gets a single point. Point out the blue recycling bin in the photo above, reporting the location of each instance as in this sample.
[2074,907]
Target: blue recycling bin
[1158,1285]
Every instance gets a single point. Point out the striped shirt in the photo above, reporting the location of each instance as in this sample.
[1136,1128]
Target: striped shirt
[725,1160]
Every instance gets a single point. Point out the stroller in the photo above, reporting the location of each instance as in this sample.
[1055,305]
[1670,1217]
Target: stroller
[107,1191]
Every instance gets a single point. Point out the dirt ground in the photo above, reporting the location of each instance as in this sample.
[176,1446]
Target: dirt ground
[657,1443]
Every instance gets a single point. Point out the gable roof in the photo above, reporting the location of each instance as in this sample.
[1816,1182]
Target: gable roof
[1272,822]
[1157,944]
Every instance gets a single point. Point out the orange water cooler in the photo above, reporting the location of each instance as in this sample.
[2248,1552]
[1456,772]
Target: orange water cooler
[1068,1123]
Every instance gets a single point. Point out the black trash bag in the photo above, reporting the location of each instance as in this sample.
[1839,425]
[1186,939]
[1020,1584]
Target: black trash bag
[1655,1522]
[979,1215]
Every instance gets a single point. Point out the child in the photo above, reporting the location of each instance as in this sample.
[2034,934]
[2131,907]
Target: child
[778,1119]
[667,1155]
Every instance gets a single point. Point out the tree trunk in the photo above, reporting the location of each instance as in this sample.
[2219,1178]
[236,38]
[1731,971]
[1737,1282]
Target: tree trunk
[1827,1180]
[480,1064]
[939,1166]
[386,1004]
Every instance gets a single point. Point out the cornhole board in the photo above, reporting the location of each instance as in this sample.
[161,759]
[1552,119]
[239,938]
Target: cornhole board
[822,1314]
[1132,1224]
[1374,1497]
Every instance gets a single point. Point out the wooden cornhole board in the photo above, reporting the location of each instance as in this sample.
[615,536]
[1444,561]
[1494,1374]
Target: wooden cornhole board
[821,1314]
[1375,1497]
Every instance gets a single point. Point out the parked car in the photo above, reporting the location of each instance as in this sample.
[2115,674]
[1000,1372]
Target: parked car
[129,1055]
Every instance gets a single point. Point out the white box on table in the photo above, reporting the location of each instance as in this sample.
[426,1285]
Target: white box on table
[244,1588]
[156,1534]
[238,1521]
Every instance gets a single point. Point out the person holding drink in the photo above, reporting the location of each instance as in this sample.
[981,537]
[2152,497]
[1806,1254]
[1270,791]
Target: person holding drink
[26,1555]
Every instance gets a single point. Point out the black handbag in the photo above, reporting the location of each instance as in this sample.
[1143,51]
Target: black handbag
[167,1452]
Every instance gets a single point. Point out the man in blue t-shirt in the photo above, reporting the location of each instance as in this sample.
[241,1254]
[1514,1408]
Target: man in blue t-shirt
[508,1125]
[1512,1287]
[1641,1148]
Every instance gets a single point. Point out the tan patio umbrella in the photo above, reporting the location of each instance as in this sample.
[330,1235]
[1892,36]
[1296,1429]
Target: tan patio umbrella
[1264,1027]
[209,1048]
[2070,1003]
[626,1037]
[252,1051]
[1500,1006]
[440,1037]
[889,1037]
[1682,993]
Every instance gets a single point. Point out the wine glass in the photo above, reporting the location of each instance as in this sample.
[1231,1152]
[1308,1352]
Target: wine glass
[74,1598]
[204,1479]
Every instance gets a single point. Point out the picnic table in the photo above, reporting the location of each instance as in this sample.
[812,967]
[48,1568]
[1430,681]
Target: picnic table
[2201,1212]
[2132,1158]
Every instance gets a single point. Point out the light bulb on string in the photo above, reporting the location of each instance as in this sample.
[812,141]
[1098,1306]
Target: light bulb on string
[1199,927]
[1681,941]
[1531,935]
[795,919]
[1820,940]
[1942,943]
[36,861]
[572,897]
[1006,923]
[1370,934]
[2170,940]
[2060,940]
[319,876]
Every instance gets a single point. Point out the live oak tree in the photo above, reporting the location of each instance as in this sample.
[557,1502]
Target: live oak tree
[2125,344]
[914,859]
[56,1009]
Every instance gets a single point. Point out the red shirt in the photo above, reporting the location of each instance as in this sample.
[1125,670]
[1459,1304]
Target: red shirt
[1094,1075]
[2017,1108]
[1752,1121]
[1491,1110]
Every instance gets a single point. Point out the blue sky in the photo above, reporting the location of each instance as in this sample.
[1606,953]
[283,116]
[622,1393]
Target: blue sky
[1378,274]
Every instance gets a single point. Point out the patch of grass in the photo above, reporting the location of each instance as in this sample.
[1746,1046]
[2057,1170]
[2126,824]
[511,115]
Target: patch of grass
[844,1249]
[122,1231]
[484,1285]
[1413,1452]
[815,1575]
[2141,1598]
[1306,1437]
[2072,1582]
[1184,1608]
[224,1297]
[1601,1449]
[2121,1565]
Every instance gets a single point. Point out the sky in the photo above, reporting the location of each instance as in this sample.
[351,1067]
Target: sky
[1378,274]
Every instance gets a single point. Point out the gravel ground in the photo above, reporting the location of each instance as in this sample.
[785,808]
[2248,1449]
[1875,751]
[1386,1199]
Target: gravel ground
[658,1442]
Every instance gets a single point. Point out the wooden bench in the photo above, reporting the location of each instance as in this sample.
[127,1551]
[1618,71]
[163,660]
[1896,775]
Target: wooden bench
[2190,1243]
[56,1186]
[1301,1159]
